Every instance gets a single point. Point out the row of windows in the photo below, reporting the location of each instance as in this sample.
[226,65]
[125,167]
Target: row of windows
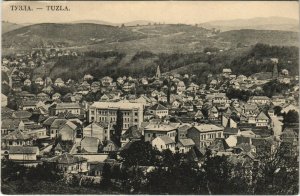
[162,112]
[172,134]
[104,112]
[211,136]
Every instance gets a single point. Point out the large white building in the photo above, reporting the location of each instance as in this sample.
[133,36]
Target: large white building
[128,113]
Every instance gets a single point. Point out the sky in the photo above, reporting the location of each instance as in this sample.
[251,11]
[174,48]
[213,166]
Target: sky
[189,12]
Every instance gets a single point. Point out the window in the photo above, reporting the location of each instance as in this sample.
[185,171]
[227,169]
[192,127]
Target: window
[135,113]
[135,120]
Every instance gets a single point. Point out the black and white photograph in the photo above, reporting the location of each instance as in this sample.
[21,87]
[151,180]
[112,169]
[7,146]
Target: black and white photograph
[150,98]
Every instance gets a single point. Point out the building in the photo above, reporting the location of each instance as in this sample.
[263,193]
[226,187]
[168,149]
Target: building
[153,130]
[59,82]
[259,99]
[126,113]
[23,153]
[69,163]
[130,135]
[262,120]
[203,135]
[163,143]
[159,110]
[185,145]
[95,130]
[73,108]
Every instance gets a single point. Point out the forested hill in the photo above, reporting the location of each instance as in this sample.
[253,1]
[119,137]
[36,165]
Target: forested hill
[244,60]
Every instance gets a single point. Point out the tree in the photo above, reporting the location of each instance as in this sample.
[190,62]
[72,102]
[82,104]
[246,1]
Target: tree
[139,153]
[291,117]
[106,177]
[277,110]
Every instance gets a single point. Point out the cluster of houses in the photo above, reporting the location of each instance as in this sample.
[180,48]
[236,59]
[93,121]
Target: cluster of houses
[78,135]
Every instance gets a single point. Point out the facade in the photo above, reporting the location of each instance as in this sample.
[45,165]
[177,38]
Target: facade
[204,134]
[126,113]
[73,108]
[95,130]
[153,130]
[159,110]
[23,153]
[163,143]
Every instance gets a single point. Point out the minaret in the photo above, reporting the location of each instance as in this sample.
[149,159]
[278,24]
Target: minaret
[157,75]
[275,71]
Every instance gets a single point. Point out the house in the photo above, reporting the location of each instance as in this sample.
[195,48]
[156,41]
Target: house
[159,110]
[16,138]
[59,82]
[185,145]
[130,135]
[68,131]
[289,107]
[96,130]
[28,104]
[73,108]
[262,120]
[106,81]
[153,130]
[27,82]
[204,134]
[164,142]
[220,98]
[42,97]
[229,131]
[89,145]
[69,163]
[176,104]
[88,77]
[226,72]
[259,100]
[250,110]
[56,96]
[55,126]
[39,81]
[180,87]
[199,115]
[95,86]
[23,153]
[109,146]
[120,80]
[278,100]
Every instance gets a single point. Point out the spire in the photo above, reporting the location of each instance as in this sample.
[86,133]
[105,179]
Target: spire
[157,75]
[275,71]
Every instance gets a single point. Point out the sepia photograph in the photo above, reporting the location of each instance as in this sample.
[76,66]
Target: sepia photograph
[150,97]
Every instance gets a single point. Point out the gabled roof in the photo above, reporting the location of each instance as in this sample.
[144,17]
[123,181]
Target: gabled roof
[158,107]
[262,116]
[57,123]
[132,133]
[207,127]
[66,158]
[166,139]
[187,142]
[21,114]
[90,144]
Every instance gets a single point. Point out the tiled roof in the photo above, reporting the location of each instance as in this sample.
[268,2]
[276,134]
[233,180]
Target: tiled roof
[207,127]
[166,139]
[23,150]
[158,107]
[66,158]
[16,135]
[187,142]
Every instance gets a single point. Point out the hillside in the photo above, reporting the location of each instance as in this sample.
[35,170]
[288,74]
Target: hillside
[250,37]
[8,26]
[164,38]
[66,35]
[268,23]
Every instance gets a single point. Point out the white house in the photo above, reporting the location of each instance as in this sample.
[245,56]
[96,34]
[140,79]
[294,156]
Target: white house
[163,143]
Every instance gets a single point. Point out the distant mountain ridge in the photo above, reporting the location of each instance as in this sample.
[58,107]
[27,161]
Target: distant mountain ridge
[260,23]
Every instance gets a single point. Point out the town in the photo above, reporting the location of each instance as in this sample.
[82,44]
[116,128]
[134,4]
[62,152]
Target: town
[89,127]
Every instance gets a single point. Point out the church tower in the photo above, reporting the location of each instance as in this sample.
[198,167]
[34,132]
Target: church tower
[157,75]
